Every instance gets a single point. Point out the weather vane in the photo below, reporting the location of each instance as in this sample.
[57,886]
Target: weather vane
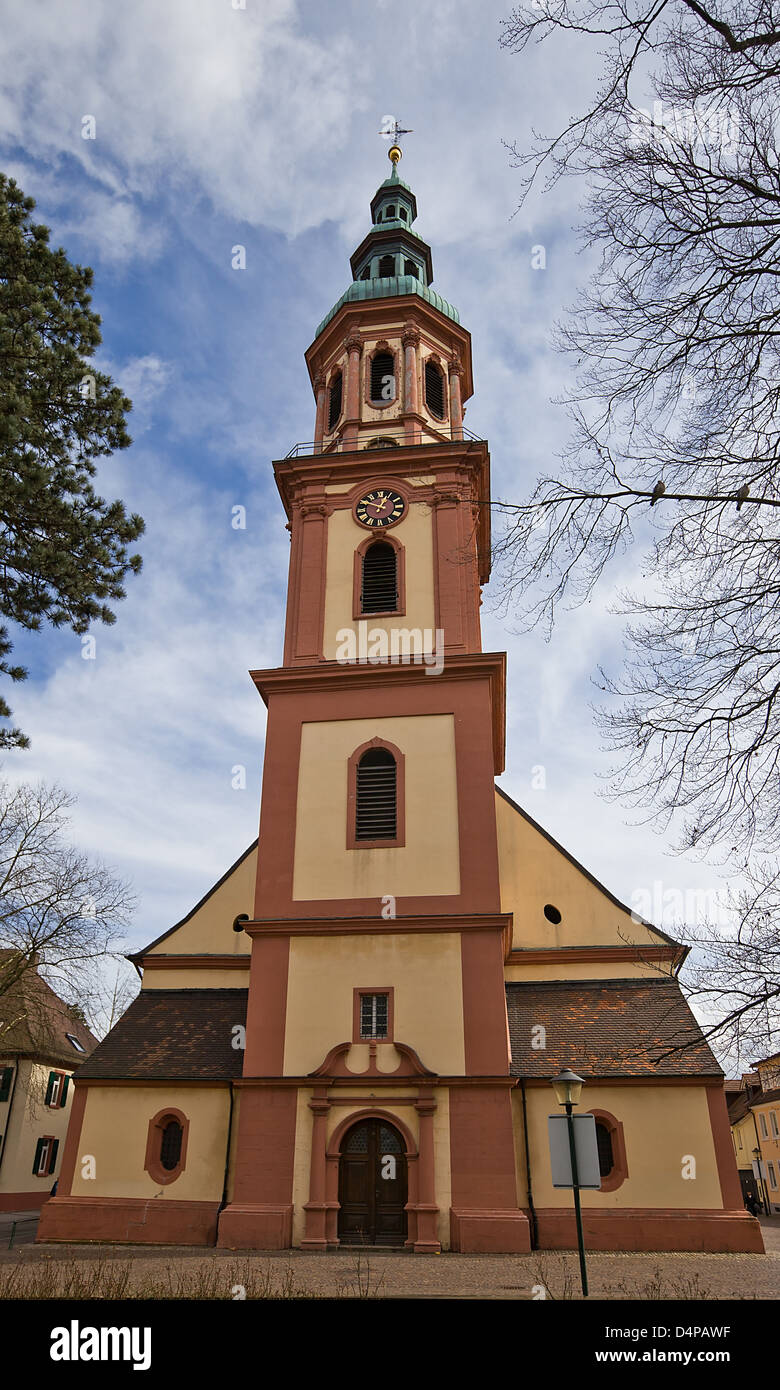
[391,130]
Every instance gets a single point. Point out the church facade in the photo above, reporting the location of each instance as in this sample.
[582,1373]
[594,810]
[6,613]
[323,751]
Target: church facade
[350,1039]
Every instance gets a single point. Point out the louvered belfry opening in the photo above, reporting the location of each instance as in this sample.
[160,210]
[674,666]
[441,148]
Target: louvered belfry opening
[379,590]
[382,367]
[334,407]
[386,267]
[376,793]
[434,390]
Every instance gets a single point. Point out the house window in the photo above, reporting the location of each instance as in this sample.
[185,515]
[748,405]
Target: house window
[772,1175]
[773,1123]
[410,268]
[386,267]
[382,378]
[379,583]
[170,1147]
[374,1016]
[375,796]
[74,1042]
[334,405]
[6,1077]
[57,1090]
[762,1123]
[45,1156]
[434,389]
[606,1155]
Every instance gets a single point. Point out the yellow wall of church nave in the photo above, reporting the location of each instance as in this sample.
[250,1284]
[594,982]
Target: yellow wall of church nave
[210,928]
[428,863]
[197,977]
[534,872]
[115,1132]
[663,1126]
[415,534]
[424,970]
[528,973]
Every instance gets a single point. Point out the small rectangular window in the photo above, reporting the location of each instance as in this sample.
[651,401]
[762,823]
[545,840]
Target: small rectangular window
[772,1174]
[373,1015]
[773,1123]
[54,1090]
[43,1153]
[764,1130]
[6,1077]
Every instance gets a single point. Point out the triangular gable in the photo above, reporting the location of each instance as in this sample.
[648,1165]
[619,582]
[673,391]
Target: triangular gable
[536,871]
[207,927]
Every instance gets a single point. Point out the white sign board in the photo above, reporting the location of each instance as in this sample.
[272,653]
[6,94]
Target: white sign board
[760,1168]
[585,1148]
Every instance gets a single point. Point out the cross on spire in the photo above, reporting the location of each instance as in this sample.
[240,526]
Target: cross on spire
[391,130]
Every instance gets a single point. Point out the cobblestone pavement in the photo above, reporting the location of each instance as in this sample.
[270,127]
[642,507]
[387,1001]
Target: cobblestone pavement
[294,1273]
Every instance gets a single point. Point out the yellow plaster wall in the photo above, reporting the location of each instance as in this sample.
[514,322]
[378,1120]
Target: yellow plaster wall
[115,1131]
[428,863]
[533,872]
[415,533]
[26,1121]
[209,930]
[744,1130]
[196,977]
[661,1125]
[582,970]
[424,969]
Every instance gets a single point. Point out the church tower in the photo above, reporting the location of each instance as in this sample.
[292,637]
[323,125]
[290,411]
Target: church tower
[377,1005]
[350,1038]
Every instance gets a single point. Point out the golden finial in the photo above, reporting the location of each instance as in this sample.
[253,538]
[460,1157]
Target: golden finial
[394,154]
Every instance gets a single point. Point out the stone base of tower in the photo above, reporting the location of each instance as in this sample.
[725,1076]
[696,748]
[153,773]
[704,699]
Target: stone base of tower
[255,1226]
[490,1232]
[128,1221]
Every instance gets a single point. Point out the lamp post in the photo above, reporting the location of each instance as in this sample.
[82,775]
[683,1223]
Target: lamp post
[567,1087]
[761,1184]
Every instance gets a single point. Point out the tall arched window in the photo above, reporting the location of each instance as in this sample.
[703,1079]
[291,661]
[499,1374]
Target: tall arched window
[334,406]
[375,796]
[434,389]
[379,587]
[604,1143]
[386,267]
[382,378]
[170,1147]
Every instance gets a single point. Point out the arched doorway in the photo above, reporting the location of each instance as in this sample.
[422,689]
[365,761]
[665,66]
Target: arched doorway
[372,1185]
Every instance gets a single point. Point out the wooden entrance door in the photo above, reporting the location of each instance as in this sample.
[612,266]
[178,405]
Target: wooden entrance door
[372,1185]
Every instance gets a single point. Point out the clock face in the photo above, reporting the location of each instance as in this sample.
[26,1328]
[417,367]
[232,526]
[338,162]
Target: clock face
[381,507]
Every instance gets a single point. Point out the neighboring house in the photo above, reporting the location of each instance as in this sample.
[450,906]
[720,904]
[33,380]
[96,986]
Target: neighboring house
[744,1134]
[765,1107]
[42,1042]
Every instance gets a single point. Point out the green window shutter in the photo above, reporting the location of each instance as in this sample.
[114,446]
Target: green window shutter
[64,1091]
[53,1156]
[50,1087]
[6,1076]
[37,1159]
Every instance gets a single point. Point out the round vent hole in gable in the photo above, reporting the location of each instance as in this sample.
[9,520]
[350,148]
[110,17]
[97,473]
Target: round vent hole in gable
[552,914]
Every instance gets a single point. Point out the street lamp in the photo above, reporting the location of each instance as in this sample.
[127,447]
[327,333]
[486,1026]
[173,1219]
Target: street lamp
[568,1087]
[761,1184]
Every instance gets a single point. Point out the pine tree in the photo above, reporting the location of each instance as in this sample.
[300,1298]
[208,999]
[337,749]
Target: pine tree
[63,549]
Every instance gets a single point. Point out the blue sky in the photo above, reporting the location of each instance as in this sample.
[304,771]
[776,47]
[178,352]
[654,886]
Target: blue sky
[259,126]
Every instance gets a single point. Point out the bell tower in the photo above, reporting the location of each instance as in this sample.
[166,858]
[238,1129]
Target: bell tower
[378,942]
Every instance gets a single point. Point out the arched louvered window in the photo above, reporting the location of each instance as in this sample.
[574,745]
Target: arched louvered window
[386,267]
[382,378]
[390,212]
[170,1147]
[402,214]
[434,389]
[379,587]
[410,268]
[606,1153]
[376,796]
[365,274]
[334,406]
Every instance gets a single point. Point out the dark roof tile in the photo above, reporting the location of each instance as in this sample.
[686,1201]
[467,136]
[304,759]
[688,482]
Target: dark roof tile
[173,1035]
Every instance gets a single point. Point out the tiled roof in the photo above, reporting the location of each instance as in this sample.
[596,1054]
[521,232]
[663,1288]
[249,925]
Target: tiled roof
[629,1027]
[173,1035]
[35,1022]
[764,1098]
